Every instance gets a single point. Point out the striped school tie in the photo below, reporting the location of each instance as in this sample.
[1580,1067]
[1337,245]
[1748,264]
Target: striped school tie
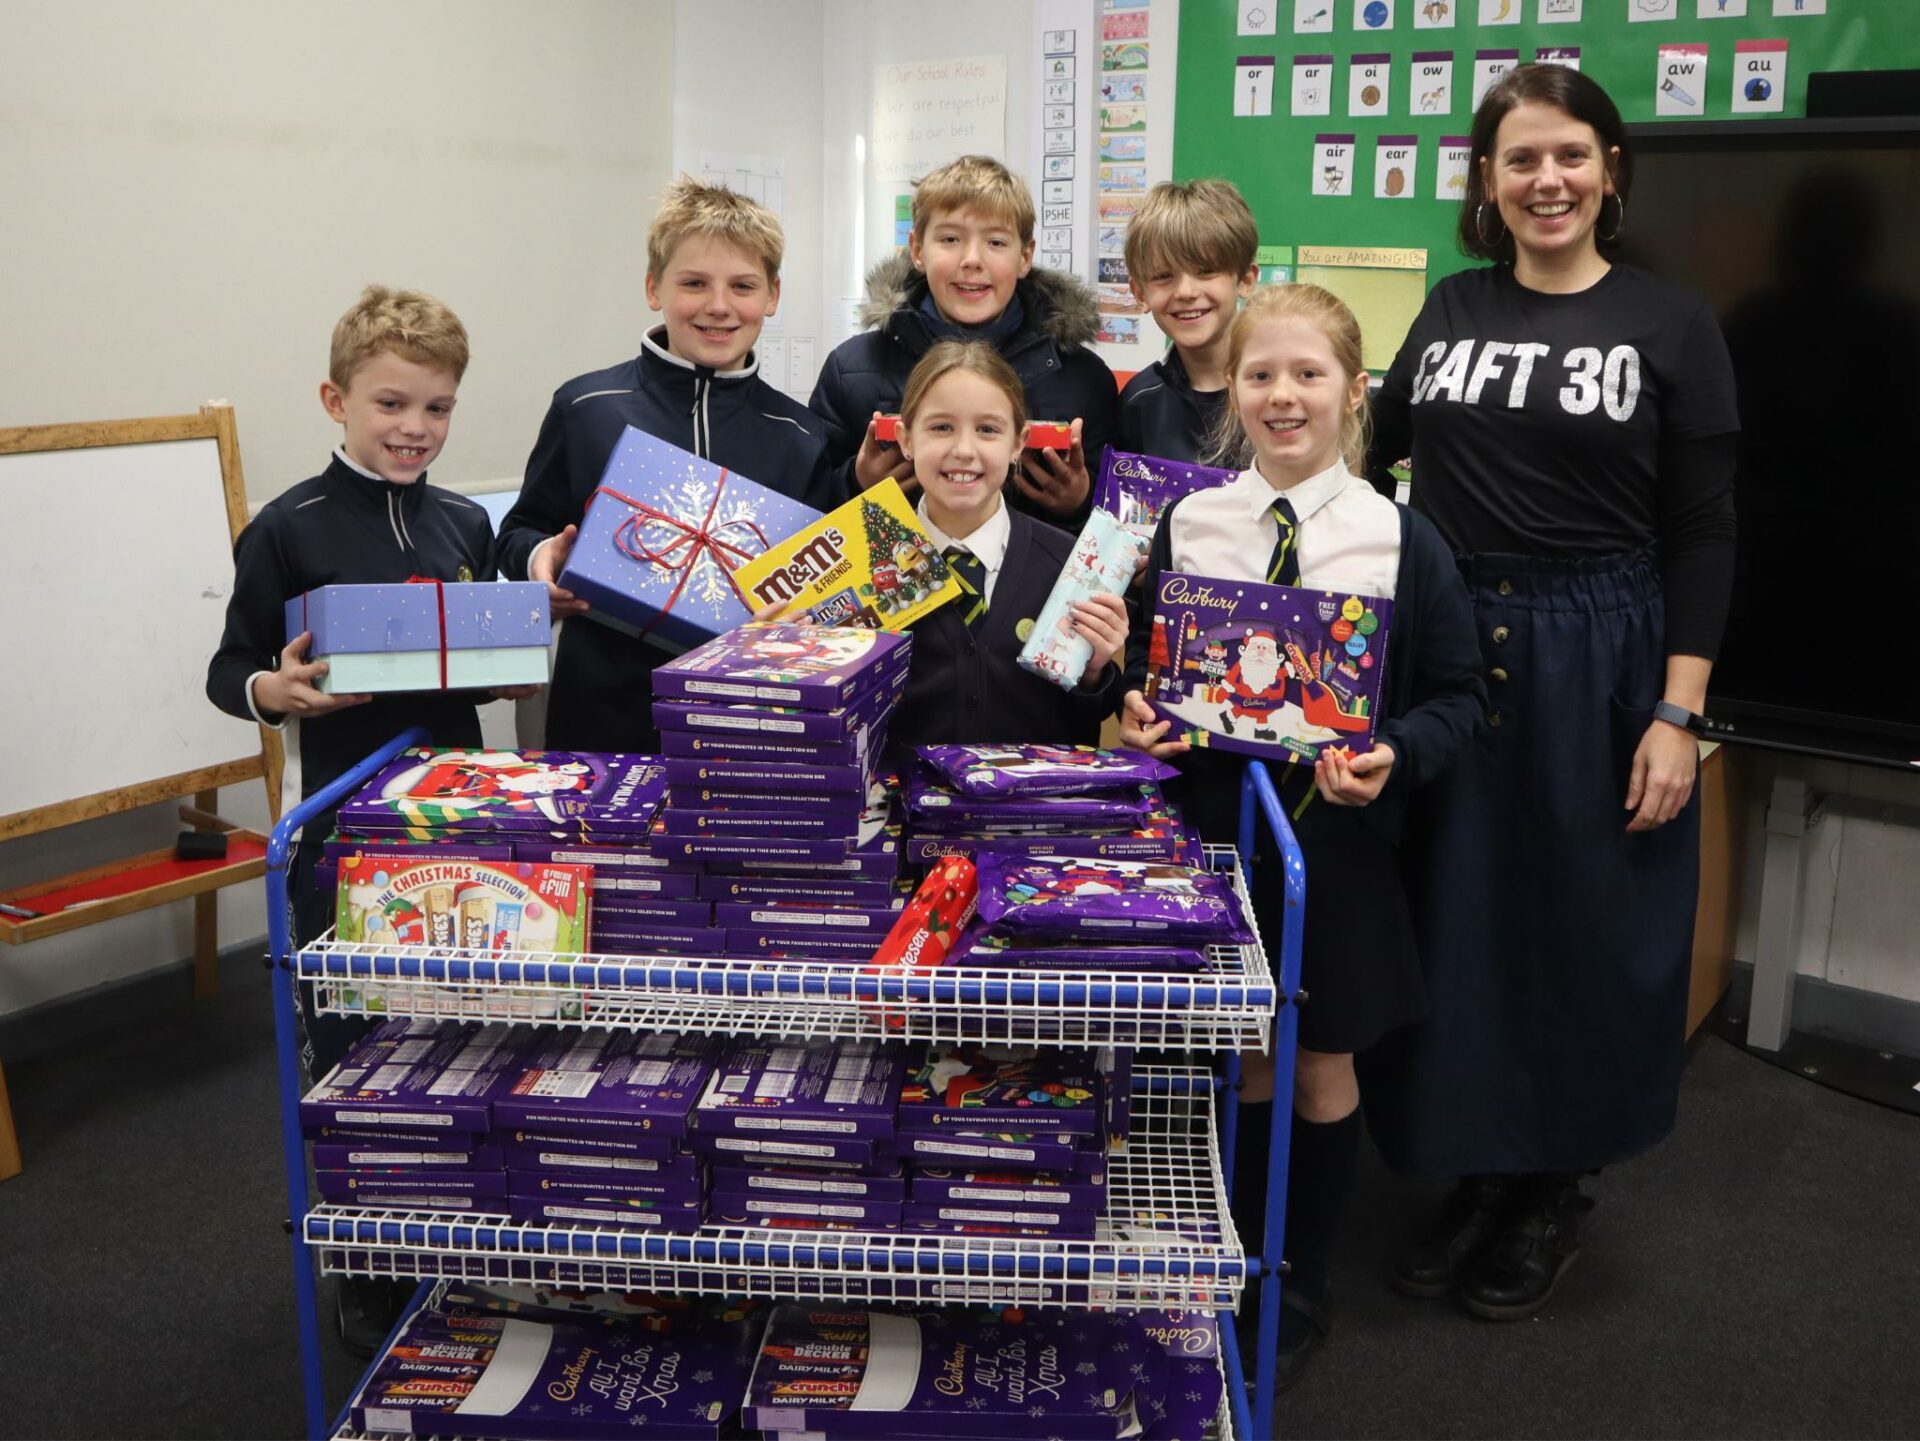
[1284,568]
[972,576]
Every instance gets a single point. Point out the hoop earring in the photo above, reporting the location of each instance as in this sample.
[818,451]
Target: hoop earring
[1480,225]
[1619,225]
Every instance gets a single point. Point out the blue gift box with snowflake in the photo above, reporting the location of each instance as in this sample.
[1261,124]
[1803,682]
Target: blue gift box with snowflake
[664,534]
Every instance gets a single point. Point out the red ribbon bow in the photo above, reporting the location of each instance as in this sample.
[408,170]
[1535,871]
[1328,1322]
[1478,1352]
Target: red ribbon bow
[688,545]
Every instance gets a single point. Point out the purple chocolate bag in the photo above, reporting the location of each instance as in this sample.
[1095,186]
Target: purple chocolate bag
[1078,899]
[1040,770]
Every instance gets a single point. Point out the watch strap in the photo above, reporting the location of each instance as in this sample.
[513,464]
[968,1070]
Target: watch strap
[1680,716]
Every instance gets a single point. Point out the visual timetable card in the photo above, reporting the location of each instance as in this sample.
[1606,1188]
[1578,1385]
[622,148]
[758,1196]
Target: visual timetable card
[1641,10]
[1333,165]
[1450,170]
[1313,17]
[1430,82]
[1253,85]
[1567,55]
[1488,67]
[1759,77]
[1720,9]
[1435,14]
[1393,166]
[1368,84]
[1259,17]
[1799,7]
[1313,85]
[1682,80]
[1560,12]
[1372,15]
[1500,12]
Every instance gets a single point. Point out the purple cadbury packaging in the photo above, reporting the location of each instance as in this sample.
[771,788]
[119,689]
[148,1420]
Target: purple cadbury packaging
[596,1082]
[826,1088]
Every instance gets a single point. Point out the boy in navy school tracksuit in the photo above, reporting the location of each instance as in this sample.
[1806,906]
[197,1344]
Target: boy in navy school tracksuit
[369,517]
[968,274]
[713,271]
[1190,253]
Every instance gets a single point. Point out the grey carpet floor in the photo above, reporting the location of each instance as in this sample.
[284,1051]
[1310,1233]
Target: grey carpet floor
[1757,1275]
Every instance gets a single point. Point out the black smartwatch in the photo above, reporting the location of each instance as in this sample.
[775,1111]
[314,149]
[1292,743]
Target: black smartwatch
[1680,716]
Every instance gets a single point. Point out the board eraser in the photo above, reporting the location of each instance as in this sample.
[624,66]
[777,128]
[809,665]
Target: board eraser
[201,846]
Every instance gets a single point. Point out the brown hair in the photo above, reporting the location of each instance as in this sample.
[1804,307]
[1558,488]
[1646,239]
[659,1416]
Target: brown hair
[974,356]
[1329,314]
[974,182]
[410,323]
[692,209]
[1194,225]
[1568,91]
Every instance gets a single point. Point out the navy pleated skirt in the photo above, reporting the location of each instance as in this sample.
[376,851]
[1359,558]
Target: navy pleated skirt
[1555,945]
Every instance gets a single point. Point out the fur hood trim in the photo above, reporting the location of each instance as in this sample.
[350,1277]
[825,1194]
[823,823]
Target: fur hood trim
[1061,304]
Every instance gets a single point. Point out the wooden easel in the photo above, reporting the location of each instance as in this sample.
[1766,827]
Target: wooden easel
[136,883]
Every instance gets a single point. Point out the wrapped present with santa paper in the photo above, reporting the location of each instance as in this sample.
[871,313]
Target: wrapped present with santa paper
[1137,489]
[1101,563]
[428,793]
[1273,671]
[867,563]
[663,538]
[424,635]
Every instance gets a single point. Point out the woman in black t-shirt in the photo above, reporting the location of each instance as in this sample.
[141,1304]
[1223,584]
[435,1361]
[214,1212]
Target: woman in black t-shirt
[1573,430]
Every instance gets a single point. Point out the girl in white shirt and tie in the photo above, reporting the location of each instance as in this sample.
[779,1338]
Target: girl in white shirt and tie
[1299,515]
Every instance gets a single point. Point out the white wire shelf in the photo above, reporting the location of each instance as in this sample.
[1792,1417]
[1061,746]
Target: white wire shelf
[1220,1430]
[1167,1241]
[1229,1009]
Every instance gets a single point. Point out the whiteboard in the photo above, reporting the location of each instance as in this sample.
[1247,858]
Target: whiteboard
[114,595]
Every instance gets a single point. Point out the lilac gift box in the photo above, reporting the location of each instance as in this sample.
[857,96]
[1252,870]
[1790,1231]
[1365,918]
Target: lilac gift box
[447,1083]
[557,1379]
[974,1087]
[813,667]
[424,636]
[732,1208]
[662,536]
[1009,1189]
[823,1088]
[594,1082]
[739,1180]
[942,1374]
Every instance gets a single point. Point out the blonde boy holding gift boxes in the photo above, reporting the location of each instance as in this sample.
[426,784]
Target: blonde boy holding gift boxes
[713,273]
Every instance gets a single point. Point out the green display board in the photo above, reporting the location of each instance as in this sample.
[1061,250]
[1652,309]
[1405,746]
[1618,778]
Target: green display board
[1275,158]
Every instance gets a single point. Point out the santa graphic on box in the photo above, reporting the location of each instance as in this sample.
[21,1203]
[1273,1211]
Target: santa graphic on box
[1257,684]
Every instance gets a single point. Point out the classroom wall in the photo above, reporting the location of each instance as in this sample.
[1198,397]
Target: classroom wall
[195,191]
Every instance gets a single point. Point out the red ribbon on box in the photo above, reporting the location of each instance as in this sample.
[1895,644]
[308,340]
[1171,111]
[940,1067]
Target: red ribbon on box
[698,540]
[440,600]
